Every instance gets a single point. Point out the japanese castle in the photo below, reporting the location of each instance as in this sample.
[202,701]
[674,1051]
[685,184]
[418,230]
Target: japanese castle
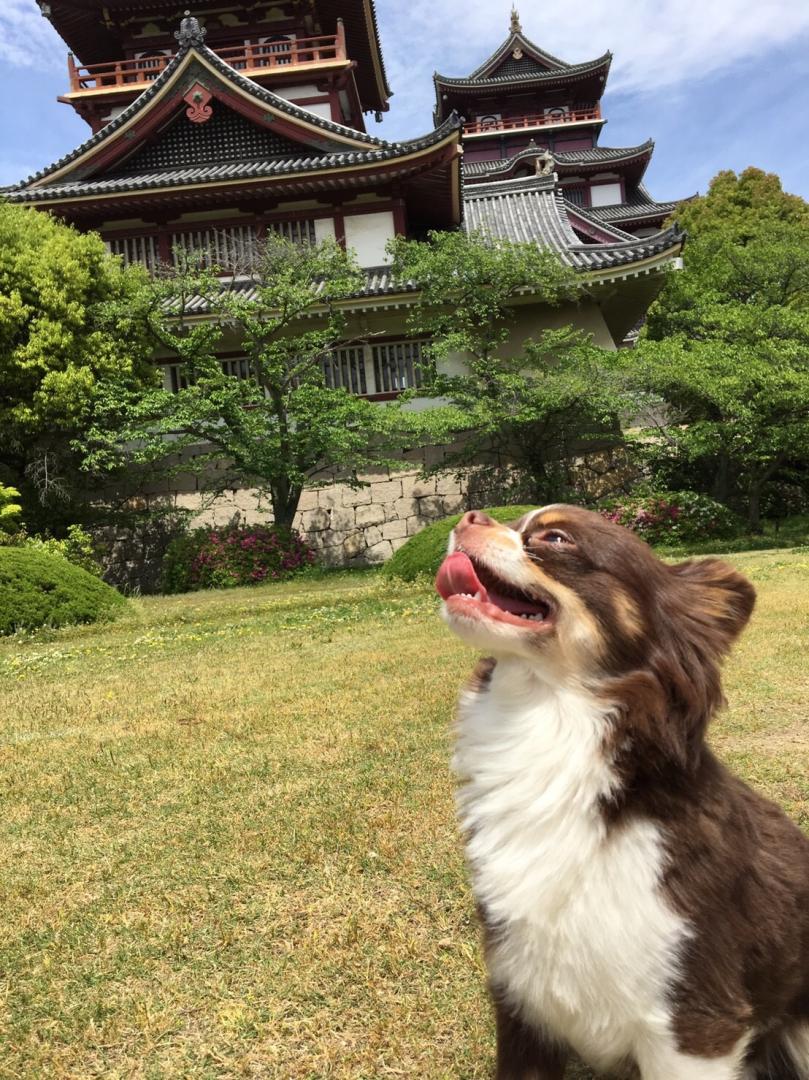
[210,129]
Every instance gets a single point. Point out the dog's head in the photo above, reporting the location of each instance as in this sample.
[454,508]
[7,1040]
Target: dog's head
[585,602]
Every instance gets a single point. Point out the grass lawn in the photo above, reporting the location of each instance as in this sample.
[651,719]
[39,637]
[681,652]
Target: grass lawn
[227,844]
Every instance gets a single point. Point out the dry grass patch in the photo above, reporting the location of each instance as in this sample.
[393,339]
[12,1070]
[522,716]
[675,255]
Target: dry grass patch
[228,846]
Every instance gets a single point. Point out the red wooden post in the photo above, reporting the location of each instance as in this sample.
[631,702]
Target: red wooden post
[341,41]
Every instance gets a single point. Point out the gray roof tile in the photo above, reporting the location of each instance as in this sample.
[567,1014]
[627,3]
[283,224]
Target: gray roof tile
[532,211]
[258,92]
[570,71]
[596,155]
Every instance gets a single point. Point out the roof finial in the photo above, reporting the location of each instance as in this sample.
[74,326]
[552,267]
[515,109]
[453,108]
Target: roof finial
[190,32]
[516,27]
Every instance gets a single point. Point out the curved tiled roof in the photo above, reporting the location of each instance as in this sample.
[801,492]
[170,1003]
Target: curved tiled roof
[637,210]
[569,72]
[259,93]
[241,170]
[598,154]
[379,281]
[517,40]
[532,211]
[594,156]
[583,214]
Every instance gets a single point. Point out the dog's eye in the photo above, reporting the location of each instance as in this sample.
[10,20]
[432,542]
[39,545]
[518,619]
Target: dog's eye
[549,536]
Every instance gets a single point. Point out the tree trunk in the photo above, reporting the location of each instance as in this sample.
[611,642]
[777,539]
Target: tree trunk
[754,491]
[754,507]
[285,499]
[721,481]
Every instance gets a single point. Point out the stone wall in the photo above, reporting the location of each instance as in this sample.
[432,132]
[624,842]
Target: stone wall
[352,526]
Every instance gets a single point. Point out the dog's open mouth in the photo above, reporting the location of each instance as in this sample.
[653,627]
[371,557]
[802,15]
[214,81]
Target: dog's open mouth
[469,588]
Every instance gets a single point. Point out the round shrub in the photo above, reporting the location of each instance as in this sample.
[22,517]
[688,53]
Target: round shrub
[41,589]
[672,517]
[422,554]
[234,555]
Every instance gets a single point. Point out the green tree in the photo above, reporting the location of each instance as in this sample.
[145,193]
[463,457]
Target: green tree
[10,509]
[277,428]
[64,335]
[527,403]
[724,361]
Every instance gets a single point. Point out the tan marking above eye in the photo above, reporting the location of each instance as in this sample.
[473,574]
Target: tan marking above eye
[628,613]
[546,522]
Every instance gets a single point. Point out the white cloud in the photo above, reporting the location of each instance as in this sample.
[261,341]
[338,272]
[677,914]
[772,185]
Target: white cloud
[657,44]
[26,38]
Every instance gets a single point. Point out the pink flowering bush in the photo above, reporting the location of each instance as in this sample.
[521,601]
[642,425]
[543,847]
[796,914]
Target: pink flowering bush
[234,555]
[672,517]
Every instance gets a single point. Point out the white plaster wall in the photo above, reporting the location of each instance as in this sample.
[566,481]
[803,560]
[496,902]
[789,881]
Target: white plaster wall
[324,229]
[368,234]
[307,90]
[116,110]
[319,108]
[290,93]
[605,194]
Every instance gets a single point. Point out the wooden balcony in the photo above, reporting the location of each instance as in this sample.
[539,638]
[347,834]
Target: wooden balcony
[251,59]
[491,126]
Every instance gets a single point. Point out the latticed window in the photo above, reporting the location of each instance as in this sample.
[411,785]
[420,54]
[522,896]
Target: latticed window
[365,369]
[378,368]
[136,249]
[345,368]
[237,366]
[229,248]
[176,377]
[577,195]
[398,365]
[299,232]
[279,46]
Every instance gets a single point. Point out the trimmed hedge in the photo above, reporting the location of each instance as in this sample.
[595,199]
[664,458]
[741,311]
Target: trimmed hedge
[422,554]
[39,589]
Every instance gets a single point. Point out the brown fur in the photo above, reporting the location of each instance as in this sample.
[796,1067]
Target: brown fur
[739,869]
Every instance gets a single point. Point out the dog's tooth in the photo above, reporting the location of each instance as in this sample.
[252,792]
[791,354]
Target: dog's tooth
[479,595]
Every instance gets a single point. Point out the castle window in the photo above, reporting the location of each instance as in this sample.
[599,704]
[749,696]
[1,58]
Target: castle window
[605,194]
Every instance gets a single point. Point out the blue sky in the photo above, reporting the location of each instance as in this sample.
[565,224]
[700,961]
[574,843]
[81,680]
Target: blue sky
[717,83]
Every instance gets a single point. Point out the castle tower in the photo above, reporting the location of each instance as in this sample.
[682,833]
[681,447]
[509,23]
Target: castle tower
[303,51]
[210,130]
[528,113]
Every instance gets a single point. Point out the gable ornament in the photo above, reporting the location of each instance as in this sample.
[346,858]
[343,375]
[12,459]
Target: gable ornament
[197,99]
[190,34]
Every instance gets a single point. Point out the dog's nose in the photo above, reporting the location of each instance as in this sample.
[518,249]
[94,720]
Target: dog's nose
[475,517]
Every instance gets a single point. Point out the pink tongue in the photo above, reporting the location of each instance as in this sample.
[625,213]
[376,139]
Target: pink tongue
[457,575]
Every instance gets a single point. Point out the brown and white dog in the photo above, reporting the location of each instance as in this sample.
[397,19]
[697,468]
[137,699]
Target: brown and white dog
[641,905]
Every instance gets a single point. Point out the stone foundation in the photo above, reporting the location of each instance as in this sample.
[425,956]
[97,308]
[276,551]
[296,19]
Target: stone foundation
[350,526]
[364,526]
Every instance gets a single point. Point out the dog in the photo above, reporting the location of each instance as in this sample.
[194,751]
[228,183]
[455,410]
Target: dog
[642,907]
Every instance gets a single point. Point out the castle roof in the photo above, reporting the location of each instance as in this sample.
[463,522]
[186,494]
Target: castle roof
[520,64]
[639,209]
[565,162]
[90,31]
[251,137]
[534,211]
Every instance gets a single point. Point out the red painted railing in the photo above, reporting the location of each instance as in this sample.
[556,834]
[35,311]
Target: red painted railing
[250,58]
[486,126]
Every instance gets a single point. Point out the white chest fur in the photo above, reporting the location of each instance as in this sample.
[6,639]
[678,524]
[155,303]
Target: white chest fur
[584,944]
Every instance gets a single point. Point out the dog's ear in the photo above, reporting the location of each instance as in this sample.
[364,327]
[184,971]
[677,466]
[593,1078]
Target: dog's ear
[717,600]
